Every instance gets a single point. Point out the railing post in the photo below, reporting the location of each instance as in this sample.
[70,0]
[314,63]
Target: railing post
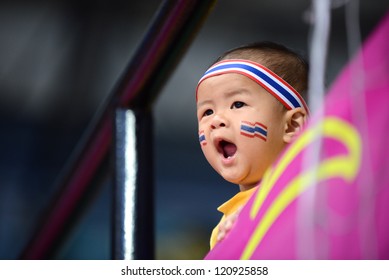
[133,195]
[170,34]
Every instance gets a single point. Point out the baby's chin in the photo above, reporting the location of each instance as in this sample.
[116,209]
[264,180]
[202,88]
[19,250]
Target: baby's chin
[242,183]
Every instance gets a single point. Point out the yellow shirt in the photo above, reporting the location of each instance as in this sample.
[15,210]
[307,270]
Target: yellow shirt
[230,207]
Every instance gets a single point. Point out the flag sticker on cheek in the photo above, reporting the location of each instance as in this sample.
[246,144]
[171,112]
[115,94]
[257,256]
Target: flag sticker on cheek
[253,130]
[202,139]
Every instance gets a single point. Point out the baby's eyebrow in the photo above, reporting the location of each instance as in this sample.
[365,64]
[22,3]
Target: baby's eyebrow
[204,102]
[227,95]
[237,92]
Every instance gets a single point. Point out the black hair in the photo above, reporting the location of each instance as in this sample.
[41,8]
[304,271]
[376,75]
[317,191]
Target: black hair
[285,62]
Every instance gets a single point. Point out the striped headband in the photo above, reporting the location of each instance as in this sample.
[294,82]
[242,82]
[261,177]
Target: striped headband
[263,76]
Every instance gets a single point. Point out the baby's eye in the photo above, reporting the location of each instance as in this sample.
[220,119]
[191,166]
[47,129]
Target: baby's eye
[208,112]
[238,104]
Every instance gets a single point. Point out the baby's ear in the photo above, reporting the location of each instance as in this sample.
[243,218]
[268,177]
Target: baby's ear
[294,124]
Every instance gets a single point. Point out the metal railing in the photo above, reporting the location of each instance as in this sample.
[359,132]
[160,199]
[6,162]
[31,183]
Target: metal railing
[124,128]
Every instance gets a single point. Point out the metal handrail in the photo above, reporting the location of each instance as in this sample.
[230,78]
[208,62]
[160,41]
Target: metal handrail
[170,34]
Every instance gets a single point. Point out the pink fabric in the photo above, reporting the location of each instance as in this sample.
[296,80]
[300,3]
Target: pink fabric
[341,216]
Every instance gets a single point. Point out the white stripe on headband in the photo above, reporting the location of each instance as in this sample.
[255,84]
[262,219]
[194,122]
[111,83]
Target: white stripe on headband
[273,83]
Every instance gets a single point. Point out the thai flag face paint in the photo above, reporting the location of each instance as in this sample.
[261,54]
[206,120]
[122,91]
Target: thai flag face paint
[263,76]
[253,130]
[202,139]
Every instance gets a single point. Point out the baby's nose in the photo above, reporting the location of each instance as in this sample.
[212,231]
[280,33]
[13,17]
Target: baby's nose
[218,121]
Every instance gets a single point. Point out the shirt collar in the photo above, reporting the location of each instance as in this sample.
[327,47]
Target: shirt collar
[232,205]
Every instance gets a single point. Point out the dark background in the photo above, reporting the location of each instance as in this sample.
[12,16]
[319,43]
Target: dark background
[59,60]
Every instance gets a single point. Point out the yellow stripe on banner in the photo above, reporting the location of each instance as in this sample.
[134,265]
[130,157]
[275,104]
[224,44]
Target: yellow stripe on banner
[344,166]
[272,175]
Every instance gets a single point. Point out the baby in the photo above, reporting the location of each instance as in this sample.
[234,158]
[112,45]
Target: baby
[250,105]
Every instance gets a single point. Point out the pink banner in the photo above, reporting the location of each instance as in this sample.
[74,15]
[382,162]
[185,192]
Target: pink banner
[339,208]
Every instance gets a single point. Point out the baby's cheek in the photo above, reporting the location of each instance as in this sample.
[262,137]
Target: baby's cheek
[254,130]
[202,139]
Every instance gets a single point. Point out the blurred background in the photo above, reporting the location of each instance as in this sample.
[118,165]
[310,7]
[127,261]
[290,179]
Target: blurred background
[59,61]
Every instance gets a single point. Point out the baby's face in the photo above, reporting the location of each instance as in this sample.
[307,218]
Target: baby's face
[241,127]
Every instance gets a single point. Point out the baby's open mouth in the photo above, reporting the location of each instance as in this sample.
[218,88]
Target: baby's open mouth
[226,148]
